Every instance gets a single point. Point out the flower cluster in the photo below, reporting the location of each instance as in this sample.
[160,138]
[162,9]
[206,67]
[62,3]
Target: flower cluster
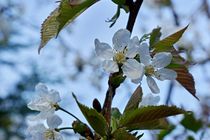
[40,132]
[46,103]
[132,58]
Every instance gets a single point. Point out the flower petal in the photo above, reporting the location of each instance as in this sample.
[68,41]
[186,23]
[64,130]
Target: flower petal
[54,96]
[38,128]
[145,57]
[103,50]
[133,69]
[39,104]
[110,66]
[149,99]
[54,121]
[132,48]
[161,60]
[137,81]
[121,39]
[165,74]
[58,136]
[42,115]
[152,85]
[131,52]
[41,88]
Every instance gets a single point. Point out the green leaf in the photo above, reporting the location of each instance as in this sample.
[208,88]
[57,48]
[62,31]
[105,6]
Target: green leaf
[164,133]
[115,17]
[155,36]
[116,79]
[168,42]
[148,117]
[61,17]
[134,100]
[190,122]
[115,118]
[95,119]
[116,113]
[82,129]
[190,138]
[122,134]
[119,2]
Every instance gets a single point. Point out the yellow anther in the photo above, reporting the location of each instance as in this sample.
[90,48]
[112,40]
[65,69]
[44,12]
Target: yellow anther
[119,57]
[149,70]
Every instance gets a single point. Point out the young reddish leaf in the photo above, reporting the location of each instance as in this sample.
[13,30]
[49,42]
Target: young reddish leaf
[183,76]
[95,119]
[169,41]
[134,100]
[178,63]
[61,17]
[186,79]
[143,116]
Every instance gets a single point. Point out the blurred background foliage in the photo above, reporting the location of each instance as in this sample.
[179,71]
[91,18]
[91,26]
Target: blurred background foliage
[63,63]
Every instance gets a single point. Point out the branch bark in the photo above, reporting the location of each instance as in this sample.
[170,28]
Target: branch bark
[134,8]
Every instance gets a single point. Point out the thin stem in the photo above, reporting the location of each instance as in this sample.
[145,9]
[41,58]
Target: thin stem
[60,108]
[175,15]
[170,90]
[64,128]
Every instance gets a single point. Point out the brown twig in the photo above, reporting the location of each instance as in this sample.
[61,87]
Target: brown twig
[108,101]
[134,9]
[169,93]
[175,15]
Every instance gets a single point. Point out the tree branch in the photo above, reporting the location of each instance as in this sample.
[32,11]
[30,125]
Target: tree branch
[134,9]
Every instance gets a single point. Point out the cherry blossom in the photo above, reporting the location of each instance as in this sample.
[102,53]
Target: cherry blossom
[46,101]
[121,56]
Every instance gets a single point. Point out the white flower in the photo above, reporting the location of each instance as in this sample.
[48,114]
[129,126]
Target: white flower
[121,56]
[40,132]
[45,102]
[155,67]
[149,99]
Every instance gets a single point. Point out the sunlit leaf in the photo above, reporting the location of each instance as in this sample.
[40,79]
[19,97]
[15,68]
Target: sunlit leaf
[148,114]
[95,119]
[49,28]
[134,100]
[61,17]
[168,42]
